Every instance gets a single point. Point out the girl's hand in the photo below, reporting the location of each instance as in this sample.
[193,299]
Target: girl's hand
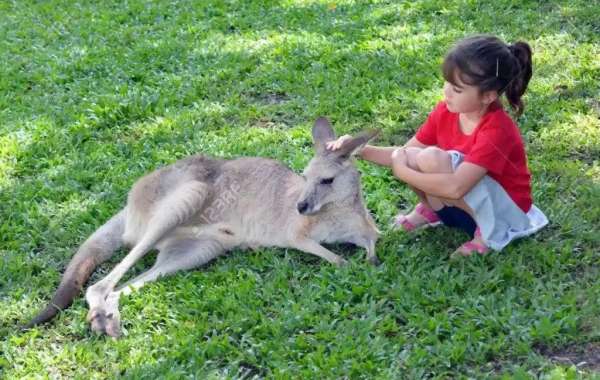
[337,144]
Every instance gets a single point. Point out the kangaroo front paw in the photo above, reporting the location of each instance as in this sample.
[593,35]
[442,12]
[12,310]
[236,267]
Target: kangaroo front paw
[374,260]
[341,262]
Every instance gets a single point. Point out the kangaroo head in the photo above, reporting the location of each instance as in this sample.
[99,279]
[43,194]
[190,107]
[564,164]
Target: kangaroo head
[330,176]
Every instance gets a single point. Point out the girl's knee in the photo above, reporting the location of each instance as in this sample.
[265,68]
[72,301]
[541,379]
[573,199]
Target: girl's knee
[434,160]
[411,156]
[396,157]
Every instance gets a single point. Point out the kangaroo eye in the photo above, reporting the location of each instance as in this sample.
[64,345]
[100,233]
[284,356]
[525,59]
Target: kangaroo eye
[326,181]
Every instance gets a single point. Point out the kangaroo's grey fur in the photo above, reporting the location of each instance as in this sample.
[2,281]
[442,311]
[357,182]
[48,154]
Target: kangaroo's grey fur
[198,208]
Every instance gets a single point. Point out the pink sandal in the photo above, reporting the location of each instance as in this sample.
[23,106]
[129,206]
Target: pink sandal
[468,248]
[432,219]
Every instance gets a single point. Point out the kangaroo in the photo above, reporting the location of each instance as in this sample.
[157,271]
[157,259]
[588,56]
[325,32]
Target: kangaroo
[198,208]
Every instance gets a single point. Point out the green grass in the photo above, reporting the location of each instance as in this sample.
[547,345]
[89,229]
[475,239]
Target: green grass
[95,94]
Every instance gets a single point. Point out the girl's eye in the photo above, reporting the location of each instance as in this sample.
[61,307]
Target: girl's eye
[457,90]
[326,181]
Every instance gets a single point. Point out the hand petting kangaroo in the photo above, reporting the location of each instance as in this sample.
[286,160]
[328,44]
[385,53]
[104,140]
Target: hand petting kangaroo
[199,208]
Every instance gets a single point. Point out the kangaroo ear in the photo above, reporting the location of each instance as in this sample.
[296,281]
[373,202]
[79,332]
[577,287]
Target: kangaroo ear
[355,144]
[322,132]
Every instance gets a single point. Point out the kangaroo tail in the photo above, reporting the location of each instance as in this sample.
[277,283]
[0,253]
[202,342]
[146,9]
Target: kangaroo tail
[95,250]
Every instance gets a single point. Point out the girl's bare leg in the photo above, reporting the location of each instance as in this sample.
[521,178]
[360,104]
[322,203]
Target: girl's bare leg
[414,217]
[435,160]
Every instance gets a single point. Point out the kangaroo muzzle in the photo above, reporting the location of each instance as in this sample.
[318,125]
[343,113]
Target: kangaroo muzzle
[308,208]
[302,207]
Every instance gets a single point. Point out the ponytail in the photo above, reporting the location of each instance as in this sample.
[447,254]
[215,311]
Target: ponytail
[523,71]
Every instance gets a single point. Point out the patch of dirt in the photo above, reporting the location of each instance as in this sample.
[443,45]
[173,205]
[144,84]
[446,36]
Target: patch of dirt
[276,120]
[264,122]
[583,356]
[273,98]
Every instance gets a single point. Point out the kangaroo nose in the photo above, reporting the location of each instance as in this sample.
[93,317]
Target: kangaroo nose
[302,207]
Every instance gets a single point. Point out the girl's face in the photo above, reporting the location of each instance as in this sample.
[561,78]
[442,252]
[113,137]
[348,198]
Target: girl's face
[464,98]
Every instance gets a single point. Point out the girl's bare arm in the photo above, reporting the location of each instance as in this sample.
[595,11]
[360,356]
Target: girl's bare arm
[383,155]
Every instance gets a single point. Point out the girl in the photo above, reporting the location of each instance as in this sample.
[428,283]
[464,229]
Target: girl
[467,162]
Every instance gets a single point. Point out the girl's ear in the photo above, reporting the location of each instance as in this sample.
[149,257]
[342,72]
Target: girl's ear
[489,97]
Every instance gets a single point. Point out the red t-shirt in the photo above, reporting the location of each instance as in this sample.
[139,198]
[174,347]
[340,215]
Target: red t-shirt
[495,144]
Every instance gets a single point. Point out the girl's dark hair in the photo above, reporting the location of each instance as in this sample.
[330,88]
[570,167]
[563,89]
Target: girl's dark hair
[490,64]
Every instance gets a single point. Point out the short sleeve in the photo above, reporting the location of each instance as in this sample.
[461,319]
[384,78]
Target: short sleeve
[491,150]
[427,133]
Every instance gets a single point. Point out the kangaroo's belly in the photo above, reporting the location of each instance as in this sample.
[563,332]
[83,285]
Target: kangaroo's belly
[237,230]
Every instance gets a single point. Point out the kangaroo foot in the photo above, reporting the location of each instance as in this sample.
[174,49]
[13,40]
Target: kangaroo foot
[102,322]
[104,317]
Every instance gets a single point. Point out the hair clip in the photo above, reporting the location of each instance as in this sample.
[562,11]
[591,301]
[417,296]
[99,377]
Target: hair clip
[497,64]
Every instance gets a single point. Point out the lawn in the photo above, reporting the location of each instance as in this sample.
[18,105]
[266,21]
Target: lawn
[95,94]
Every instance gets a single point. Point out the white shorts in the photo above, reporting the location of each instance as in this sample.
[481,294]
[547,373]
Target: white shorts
[498,217]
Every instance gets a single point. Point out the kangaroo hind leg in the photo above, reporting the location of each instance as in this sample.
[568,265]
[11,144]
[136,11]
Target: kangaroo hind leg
[177,255]
[172,211]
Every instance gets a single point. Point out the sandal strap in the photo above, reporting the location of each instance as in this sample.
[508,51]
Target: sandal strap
[427,213]
[472,246]
[467,249]
[401,220]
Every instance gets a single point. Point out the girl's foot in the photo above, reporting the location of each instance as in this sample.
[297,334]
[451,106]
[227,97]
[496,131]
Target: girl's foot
[477,245]
[421,216]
